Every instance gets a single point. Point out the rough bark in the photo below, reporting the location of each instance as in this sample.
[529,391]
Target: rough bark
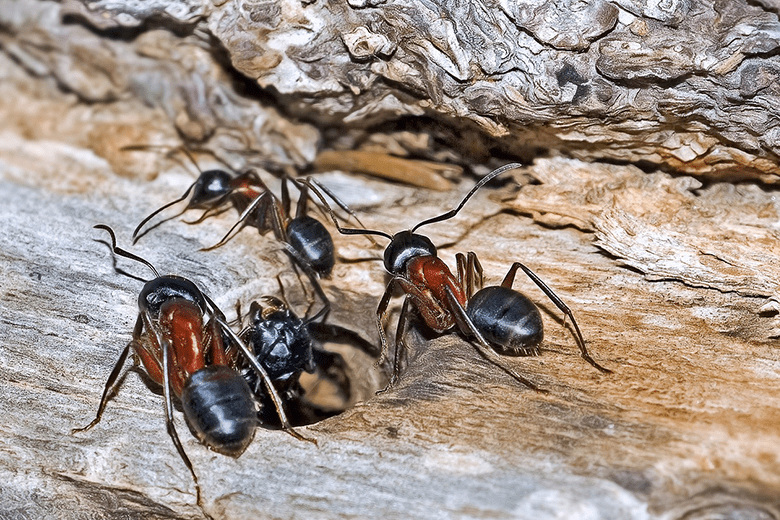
[671,280]
[687,85]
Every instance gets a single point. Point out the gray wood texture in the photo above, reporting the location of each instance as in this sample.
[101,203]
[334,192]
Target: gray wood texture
[672,278]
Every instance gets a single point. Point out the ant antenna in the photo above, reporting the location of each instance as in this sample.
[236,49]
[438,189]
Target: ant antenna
[344,231]
[445,216]
[487,178]
[159,210]
[168,150]
[121,252]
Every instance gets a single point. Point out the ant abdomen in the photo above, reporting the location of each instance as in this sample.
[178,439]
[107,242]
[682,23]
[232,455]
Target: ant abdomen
[220,409]
[308,237]
[508,320]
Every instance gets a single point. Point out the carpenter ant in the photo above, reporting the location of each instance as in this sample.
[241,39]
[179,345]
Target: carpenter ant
[443,300]
[283,345]
[184,344]
[304,238]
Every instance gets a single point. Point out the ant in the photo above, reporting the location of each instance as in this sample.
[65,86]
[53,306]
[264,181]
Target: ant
[304,238]
[184,343]
[494,316]
[283,344]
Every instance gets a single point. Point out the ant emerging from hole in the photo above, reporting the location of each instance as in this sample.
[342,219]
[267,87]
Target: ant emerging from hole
[305,240]
[498,318]
[185,345]
[284,345]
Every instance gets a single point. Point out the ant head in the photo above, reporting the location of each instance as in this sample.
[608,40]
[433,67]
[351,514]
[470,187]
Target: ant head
[162,288]
[211,186]
[261,311]
[403,247]
[166,288]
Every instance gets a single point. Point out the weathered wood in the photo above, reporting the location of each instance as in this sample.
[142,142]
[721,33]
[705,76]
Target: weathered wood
[687,85]
[686,427]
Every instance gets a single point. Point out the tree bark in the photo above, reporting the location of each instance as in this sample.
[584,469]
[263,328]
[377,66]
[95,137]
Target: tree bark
[671,277]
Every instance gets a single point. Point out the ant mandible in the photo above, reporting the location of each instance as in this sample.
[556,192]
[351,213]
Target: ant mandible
[444,301]
[187,355]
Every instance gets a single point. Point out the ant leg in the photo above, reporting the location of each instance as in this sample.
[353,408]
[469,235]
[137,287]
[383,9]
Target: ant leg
[400,345]
[475,269]
[213,211]
[470,274]
[297,259]
[169,418]
[509,279]
[317,185]
[460,261]
[111,386]
[303,198]
[381,315]
[467,327]
[240,222]
[260,371]
[318,188]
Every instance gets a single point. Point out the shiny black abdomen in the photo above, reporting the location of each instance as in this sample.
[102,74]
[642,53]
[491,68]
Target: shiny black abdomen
[220,409]
[507,319]
[313,243]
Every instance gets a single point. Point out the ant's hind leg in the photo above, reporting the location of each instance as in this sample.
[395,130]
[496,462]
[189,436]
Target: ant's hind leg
[509,279]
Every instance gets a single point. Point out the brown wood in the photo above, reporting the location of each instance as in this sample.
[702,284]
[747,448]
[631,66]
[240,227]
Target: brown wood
[673,282]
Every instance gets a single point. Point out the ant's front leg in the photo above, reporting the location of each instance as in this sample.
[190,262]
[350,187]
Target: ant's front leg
[111,383]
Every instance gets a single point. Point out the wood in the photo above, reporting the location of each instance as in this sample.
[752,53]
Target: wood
[673,282]
[687,86]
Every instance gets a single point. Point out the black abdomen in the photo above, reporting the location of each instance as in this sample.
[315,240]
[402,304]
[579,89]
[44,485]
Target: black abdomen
[220,409]
[313,242]
[508,320]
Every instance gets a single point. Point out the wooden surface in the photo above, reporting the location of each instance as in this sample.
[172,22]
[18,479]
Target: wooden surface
[685,85]
[684,428]
[671,281]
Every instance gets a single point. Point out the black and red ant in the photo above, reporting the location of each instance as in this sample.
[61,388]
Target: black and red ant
[497,317]
[304,238]
[185,345]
